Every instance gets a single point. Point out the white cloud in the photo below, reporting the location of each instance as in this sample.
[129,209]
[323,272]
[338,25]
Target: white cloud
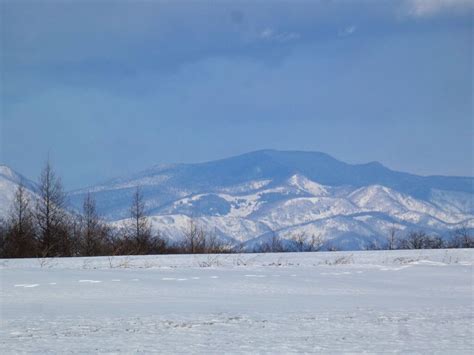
[426,8]
[269,34]
[348,31]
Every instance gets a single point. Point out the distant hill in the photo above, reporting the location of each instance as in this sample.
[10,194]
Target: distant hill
[246,197]
[249,197]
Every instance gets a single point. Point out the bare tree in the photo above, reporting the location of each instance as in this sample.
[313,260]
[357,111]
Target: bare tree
[332,247]
[214,244]
[299,241]
[413,240]
[392,238]
[92,229]
[461,238]
[420,240]
[273,244]
[3,237]
[139,229]
[238,247]
[276,243]
[20,239]
[74,231]
[374,244]
[433,242]
[315,243]
[50,215]
[194,238]
[302,243]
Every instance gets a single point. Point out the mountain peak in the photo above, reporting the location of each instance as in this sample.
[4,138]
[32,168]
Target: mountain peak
[10,174]
[303,183]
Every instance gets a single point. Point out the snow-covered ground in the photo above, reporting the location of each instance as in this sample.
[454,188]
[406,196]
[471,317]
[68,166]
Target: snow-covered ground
[379,301]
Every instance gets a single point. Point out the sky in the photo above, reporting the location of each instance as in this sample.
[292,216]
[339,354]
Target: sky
[107,88]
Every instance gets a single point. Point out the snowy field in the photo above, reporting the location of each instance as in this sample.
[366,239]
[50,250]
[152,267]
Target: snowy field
[378,301]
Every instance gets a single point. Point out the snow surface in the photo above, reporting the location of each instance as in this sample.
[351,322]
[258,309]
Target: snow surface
[381,301]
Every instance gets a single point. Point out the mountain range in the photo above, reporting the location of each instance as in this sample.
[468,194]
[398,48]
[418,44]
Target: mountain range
[249,197]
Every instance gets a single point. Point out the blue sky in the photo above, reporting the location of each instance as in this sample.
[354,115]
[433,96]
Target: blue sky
[111,87]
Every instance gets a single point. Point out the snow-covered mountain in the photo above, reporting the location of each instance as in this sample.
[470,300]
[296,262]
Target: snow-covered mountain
[249,197]
[9,181]
[246,198]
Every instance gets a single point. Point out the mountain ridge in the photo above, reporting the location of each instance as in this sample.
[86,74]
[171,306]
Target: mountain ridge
[248,197]
[160,168]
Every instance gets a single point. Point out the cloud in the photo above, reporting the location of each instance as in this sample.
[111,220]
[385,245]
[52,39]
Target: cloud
[269,34]
[348,31]
[427,8]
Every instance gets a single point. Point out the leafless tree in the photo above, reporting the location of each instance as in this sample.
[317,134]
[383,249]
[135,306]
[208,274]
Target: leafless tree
[392,238]
[315,243]
[50,215]
[20,238]
[194,238]
[273,244]
[413,240]
[302,243]
[375,244]
[332,247]
[299,241]
[420,240]
[461,238]
[238,247]
[139,235]
[93,230]
[433,242]
[3,237]
[276,243]
[214,244]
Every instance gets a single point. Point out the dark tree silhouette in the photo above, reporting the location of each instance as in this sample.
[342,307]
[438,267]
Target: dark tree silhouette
[19,239]
[138,236]
[93,231]
[194,238]
[51,218]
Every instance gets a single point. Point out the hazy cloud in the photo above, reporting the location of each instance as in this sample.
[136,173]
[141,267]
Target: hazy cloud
[270,34]
[348,31]
[426,8]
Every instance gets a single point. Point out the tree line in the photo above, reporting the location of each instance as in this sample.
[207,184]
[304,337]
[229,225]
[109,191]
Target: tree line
[42,226]
[395,240]
[459,238]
